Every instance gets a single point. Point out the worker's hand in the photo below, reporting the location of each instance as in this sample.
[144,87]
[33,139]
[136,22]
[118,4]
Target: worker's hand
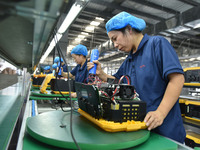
[57,69]
[154,119]
[91,65]
[73,95]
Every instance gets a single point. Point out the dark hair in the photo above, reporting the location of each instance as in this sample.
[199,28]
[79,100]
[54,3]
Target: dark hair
[123,30]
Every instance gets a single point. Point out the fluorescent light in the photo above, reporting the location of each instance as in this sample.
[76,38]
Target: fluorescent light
[51,46]
[81,36]
[89,28]
[74,11]
[191,59]
[78,39]
[198,58]
[99,18]
[178,29]
[84,33]
[194,24]
[95,23]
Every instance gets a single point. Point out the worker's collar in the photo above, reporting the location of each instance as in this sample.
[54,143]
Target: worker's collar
[84,65]
[142,43]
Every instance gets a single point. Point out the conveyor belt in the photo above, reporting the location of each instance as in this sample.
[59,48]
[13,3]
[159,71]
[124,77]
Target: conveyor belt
[53,128]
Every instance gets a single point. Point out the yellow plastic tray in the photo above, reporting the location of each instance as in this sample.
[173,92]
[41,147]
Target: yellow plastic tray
[63,92]
[112,126]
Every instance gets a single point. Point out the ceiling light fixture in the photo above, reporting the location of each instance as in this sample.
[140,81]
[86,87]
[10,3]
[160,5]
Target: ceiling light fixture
[51,46]
[89,28]
[84,33]
[178,29]
[194,24]
[99,18]
[72,14]
[81,36]
[95,23]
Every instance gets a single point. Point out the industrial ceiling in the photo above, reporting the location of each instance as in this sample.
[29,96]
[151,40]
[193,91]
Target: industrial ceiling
[27,26]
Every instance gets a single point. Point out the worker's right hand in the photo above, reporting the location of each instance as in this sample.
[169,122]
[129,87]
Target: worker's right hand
[91,65]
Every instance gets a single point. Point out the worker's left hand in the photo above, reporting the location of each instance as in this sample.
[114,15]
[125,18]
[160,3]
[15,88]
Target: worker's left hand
[154,119]
[73,95]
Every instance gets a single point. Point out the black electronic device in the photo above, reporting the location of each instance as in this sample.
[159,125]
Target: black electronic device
[192,75]
[62,85]
[99,104]
[37,80]
[192,110]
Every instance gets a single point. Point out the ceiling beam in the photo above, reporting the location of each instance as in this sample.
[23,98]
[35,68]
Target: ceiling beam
[179,19]
[156,6]
[116,6]
[190,2]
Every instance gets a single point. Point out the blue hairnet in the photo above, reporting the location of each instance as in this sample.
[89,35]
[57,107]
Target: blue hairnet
[47,68]
[57,59]
[54,66]
[79,50]
[123,19]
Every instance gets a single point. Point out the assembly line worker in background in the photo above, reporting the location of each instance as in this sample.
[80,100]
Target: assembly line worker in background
[54,68]
[80,72]
[155,72]
[47,70]
[57,60]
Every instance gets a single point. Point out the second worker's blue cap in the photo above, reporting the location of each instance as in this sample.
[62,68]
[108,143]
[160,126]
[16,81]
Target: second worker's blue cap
[80,50]
[47,68]
[57,59]
[54,66]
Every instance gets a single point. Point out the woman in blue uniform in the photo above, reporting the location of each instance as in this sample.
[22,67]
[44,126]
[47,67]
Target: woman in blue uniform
[57,60]
[47,70]
[155,72]
[80,72]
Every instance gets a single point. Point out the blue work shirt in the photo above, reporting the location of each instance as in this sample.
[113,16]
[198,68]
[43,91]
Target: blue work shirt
[64,68]
[80,73]
[48,72]
[148,69]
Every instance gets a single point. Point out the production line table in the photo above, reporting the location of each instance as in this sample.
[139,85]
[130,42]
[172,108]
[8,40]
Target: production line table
[51,130]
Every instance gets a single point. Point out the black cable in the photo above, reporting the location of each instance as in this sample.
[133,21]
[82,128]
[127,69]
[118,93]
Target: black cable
[60,54]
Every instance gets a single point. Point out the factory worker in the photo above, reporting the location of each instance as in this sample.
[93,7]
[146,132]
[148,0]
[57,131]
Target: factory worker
[54,68]
[47,70]
[155,72]
[80,72]
[57,60]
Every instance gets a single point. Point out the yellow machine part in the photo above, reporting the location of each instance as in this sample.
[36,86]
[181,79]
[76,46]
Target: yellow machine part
[192,102]
[182,100]
[191,68]
[192,118]
[193,136]
[112,126]
[63,92]
[44,85]
[39,75]
[192,84]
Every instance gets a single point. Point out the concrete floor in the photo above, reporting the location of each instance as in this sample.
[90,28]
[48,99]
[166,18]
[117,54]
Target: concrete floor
[7,80]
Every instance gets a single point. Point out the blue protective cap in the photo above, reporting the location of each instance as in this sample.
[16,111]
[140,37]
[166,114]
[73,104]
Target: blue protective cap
[123,19]
[80,50]
[57,59]
[54,66]
[47,68]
